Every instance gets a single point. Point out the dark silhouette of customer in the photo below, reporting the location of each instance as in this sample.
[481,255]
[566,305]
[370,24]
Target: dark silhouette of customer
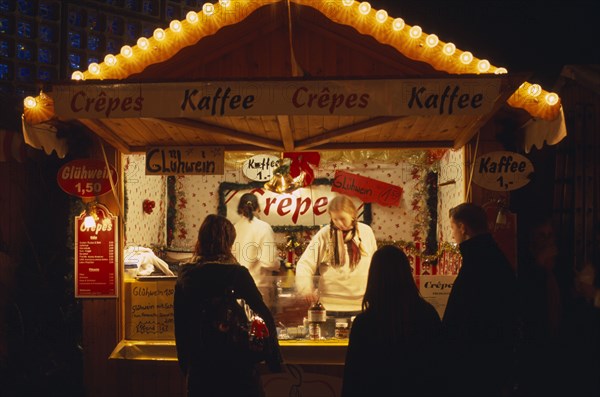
[480,320]
[391,341]
[211,371]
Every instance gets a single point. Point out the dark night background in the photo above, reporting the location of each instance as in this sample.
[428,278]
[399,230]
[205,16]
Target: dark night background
[523,36]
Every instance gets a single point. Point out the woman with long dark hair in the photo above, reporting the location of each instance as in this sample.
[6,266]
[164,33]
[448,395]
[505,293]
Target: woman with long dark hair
[210,369]
[391,340]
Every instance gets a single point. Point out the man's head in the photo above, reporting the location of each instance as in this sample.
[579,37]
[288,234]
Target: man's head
[467,220]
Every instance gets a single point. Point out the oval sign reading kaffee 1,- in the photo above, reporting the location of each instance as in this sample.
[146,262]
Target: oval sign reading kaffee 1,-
[85,178]
[502,171]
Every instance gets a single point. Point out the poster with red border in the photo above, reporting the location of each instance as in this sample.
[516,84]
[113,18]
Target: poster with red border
[96,256]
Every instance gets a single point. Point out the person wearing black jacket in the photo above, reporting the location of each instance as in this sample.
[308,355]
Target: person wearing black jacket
[210,369]
[480,322]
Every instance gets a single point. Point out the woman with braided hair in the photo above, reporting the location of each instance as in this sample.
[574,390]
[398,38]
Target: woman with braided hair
[340,253]
[254,247]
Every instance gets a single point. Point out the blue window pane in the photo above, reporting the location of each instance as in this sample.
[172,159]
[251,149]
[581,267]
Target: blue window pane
[94,43]
[115,26]
[24,52]
[24,29]
[47,34]
[92,60]
[7,5]
[75,39]
[148,7]
[5,49]
[27,7]
[46,55]
[131,5]
[5,26]
[132,31]
[95,22]
[75,61]
[45,74]
[48,11]
[25,73]
[147,31]
[113,46]
[4,72]
[76,17]
[170,12]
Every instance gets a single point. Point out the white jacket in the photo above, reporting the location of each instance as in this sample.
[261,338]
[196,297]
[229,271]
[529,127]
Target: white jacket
[255,248]
[340,289]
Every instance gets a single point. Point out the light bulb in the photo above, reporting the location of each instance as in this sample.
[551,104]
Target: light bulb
[126,51]
[143,43]
[432,40]
[89,222]
[449,49]
[534,90]
[225,3]
[466,57]
[77,75]
[110,60]
[483,65]
[208,9]
[192,17]
[30,102]
[415,32]
[175,26]
[159,34]
[381,16]
[347,3]
[364,7]
[551,98]
[398,24]
[94,68]
[500,71]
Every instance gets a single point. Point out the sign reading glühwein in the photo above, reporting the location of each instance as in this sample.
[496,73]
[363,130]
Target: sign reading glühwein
[185,160]
[86,178]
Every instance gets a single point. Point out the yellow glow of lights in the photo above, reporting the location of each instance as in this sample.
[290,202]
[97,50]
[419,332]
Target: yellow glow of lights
[381,16]
[225,3]
[110,60]
[77,75]
[192,17]
[143,43]
[94,68]
[175,26]
[30,102]
[432,40]
[466,57]
[551,98]
[208,9]
[126,51]
[501,71]
[347,3]
[364,7]
[483,65]
[398,24]
[449,49]
[415,32]
[534,90]
[158,34]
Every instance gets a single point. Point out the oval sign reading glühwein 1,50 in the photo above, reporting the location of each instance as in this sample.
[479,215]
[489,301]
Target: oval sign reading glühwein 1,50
[85,178]
[502,171]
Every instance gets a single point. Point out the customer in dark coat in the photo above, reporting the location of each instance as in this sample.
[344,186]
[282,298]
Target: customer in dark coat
[392,341]
[480,320]
[210,370]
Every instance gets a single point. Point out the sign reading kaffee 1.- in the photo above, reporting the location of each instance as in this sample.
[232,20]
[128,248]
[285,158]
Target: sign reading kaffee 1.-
[185,160]
[377,97]
[96,256]
[260,168]
[86,178]
[502,171]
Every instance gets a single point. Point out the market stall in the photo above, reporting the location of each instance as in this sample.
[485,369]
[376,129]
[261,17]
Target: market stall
[204,110]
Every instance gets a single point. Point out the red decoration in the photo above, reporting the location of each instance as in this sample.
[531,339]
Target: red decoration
[302,161]
[366,189]
[148,206]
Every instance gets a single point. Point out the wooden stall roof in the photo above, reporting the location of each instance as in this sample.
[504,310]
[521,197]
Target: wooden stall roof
[298,40]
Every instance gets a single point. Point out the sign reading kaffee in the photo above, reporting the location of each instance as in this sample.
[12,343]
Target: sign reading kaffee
[502,171]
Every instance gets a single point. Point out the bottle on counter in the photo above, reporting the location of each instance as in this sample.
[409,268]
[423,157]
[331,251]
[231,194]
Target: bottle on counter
[317,315]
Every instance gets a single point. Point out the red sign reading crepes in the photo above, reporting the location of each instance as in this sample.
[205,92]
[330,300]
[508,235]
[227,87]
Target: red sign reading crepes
[86,178]
[367,189]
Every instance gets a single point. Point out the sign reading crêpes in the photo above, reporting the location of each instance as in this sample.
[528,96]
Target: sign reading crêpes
[185,160]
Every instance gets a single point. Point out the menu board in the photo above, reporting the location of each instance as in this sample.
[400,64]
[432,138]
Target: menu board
[436,290]
[149,310]
[96,271]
